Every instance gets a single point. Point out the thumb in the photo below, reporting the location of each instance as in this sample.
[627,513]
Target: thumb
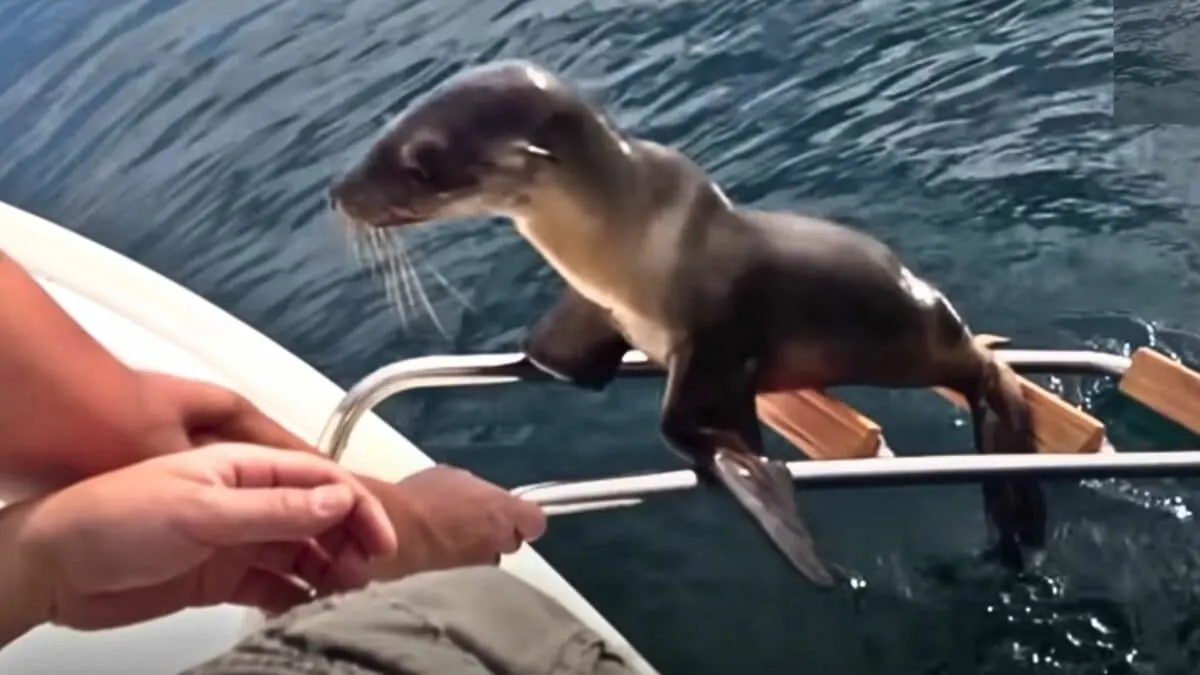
[253,515]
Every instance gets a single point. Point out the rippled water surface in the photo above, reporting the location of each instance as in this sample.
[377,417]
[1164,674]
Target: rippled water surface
[976,136]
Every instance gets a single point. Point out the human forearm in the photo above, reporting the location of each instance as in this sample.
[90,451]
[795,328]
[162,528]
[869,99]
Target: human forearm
[412,531]
[25,606]
[68,407]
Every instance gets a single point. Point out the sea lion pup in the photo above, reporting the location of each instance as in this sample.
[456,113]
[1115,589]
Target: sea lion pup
[730,301]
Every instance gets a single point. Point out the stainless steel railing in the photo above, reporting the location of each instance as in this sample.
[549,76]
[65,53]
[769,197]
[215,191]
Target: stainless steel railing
[586,495]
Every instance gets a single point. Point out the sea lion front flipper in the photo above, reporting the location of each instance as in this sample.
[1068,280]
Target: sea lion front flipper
[576,342]
[709,417]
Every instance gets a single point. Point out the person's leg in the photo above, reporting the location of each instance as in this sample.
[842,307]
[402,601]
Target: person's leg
[470,621]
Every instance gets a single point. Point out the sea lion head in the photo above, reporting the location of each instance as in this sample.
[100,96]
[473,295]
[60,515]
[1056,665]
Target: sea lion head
[478,144]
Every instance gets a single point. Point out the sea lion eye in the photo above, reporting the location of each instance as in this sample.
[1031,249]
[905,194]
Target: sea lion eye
[430,165]
[420,163]
[417,174]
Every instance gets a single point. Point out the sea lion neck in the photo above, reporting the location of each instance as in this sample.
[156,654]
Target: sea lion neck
[585,211]
[585,240]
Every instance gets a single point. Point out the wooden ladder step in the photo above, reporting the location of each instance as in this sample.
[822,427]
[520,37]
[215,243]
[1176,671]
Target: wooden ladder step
[1165,386]
[819,425]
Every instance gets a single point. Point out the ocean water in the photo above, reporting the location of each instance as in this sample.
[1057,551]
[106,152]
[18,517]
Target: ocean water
[978,137]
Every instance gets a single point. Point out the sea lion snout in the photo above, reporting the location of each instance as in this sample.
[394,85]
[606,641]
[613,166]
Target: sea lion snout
[363,201]
[401,181]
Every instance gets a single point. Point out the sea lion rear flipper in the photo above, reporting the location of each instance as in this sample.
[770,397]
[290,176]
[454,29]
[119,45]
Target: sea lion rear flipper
[1015,507]
[709,417]
[764,488]
[576,342]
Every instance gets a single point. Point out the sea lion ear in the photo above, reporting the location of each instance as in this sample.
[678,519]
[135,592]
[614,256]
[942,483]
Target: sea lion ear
[538,151]
[554,131]
[521,154]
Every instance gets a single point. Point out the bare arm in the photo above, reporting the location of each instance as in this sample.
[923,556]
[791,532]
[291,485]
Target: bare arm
[60,391]
[24,607]
[69,409]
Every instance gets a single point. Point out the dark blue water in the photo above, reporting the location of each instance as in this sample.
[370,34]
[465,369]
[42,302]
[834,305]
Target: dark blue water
[976,136]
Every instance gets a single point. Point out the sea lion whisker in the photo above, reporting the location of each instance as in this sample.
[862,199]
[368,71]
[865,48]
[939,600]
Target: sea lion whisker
[445,283]
[406,261]
[405,274]
[385,254]
[382,265]
[360,248]
[351,235]
[419,263]
[396,261]
[366,248]
[397,274]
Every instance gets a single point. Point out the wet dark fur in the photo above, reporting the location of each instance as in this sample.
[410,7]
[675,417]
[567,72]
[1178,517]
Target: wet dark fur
[754,301]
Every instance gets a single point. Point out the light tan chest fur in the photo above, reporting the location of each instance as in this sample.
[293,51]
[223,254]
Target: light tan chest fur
[609,270]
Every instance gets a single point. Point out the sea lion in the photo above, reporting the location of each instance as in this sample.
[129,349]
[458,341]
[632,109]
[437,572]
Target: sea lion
[730,301]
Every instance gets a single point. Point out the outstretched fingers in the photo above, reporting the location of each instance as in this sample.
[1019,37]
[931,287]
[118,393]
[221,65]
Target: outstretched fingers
[275,495]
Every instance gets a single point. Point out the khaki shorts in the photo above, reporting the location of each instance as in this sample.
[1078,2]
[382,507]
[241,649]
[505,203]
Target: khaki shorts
[469,621]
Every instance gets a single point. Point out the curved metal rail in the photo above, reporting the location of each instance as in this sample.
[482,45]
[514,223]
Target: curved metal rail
[587,495]
[430,372]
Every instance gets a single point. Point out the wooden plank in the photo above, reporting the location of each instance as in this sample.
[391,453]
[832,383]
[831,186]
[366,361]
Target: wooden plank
[1165,386]
[1058,426]
[819,425]
[824,427]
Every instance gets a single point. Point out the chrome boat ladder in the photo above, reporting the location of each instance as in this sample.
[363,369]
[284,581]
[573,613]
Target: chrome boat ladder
[559,497]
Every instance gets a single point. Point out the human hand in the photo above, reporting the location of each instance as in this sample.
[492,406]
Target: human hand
[227,524]
[190,413]
[448,517]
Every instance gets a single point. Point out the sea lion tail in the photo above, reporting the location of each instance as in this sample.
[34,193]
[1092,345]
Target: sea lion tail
[764,488]
[1016,507]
